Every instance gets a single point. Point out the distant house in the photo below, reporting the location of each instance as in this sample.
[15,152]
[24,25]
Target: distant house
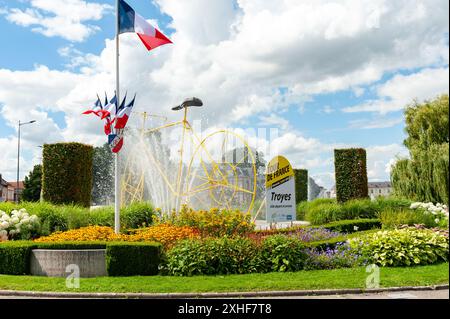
[7,190]
[376,189]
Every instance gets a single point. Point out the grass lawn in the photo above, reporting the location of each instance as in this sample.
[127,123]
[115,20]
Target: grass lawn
[302,280]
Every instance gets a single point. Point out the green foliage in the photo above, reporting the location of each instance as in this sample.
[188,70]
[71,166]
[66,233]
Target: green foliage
[212,256]
[64,217]
[351,226]
[133,259]
[305,206]
[32,185]
[325,213]
[402,247]
[15,257]
[103,175]
[351,174]
[282,253]
[136,215]
[342,226]
[322,211]
[301,185]
[427,123]
[425,176]
[392,218]
[67,173]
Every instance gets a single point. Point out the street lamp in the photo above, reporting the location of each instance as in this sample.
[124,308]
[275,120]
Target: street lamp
[18,158]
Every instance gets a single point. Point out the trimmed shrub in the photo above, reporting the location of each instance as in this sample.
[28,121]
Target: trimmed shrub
[282,253]
[355,225]
[213,256]
[342,226]
[403,247]
[67,173]
[133,259]
[351,174]
[301,185]
[15,257]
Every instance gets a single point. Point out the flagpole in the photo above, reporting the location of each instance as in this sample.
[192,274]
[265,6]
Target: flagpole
[116,157]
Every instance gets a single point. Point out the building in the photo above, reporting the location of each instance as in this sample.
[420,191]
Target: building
[376,189]
[7,190]
[314,190]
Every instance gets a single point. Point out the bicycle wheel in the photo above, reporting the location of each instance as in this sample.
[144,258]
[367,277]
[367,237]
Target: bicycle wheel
[221,173]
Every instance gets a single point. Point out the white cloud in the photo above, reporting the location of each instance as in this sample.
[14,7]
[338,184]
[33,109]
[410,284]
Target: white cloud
[401,90]
[379,158]
[374,123]
[250,60]
[61,18]
[327,109]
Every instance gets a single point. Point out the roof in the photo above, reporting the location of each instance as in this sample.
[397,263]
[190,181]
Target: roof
[13,184]
[371,185]
[379,184]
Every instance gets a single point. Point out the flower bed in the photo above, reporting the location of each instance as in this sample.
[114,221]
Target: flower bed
[164,234]
[214,223]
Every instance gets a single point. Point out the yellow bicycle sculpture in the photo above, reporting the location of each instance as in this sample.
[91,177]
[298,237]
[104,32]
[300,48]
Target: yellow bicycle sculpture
[206,179]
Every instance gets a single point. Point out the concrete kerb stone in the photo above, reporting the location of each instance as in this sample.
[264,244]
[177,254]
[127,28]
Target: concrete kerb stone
[288,293]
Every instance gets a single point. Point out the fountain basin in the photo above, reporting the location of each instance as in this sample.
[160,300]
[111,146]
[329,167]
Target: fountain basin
[62,263]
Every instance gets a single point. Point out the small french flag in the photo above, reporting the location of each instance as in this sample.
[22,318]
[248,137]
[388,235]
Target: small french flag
[130,21]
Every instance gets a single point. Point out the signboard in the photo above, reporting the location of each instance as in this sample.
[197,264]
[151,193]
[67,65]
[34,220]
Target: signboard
[280,191]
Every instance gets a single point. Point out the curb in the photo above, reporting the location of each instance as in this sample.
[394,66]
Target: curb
[325,292]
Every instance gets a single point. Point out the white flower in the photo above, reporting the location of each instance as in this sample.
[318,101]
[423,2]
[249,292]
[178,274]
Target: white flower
[355,228]
[414,205]
[437,220]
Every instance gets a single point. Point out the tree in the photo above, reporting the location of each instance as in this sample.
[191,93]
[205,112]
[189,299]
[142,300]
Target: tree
[103,175]
[32,185]
[425,175]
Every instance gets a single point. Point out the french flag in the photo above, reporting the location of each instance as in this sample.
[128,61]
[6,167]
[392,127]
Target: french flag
[96,109]
[123,115]
[115,142]
[130,21]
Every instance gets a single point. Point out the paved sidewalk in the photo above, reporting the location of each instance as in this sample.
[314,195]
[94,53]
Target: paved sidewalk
[423,292]
[408,294]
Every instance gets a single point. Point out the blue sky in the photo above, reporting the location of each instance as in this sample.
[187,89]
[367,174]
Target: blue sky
[339,79]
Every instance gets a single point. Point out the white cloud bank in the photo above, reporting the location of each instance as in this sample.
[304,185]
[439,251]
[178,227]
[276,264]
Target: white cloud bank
[236,58]
[60,18]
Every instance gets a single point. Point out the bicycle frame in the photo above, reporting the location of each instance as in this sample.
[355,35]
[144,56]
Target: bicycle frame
[210,183]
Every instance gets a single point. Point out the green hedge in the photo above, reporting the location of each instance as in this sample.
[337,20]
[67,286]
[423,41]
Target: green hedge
[351,174]
[342,226]
[353,225]
[15,257]
[301,185]
[133,259]
[67,173]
